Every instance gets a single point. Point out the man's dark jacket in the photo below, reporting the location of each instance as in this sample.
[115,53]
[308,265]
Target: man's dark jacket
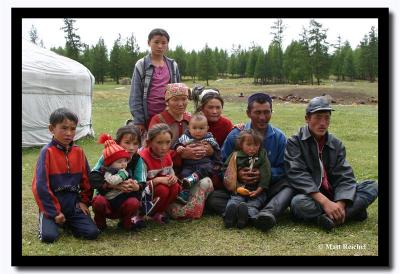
[304,170]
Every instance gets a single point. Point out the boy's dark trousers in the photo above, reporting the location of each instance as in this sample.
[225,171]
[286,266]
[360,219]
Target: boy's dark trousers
[80,224]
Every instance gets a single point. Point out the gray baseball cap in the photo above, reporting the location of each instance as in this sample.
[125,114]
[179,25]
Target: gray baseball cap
[318,104]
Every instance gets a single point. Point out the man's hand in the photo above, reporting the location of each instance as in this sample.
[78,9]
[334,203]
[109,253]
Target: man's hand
[59,219]
[194,152]
[249,177]
[335,211]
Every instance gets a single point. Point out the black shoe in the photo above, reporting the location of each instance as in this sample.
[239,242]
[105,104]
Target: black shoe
[360,216]
[325,222]
[242,215]
[230,218]
[265,221]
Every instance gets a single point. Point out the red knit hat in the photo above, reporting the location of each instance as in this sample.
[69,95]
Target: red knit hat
[112,151]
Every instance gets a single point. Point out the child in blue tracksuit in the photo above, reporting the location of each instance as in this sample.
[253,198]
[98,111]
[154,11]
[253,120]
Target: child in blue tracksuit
[61,182]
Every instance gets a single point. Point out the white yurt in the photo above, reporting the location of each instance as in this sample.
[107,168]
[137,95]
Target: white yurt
[51,81]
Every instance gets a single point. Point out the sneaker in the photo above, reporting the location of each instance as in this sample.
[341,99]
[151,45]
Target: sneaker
[242,215]
[189,181]
[230,218]
[265,221]
[324,222]
[183,197]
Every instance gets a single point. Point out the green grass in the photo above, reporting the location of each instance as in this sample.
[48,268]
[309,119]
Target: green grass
[356,125]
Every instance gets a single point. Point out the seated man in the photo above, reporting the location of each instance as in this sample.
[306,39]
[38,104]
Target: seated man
[259,110]
[316,166]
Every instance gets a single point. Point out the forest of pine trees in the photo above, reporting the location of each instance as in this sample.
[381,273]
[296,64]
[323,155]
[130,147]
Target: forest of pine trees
[304,61]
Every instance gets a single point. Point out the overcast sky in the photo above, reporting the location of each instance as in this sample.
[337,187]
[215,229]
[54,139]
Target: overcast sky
[195,33]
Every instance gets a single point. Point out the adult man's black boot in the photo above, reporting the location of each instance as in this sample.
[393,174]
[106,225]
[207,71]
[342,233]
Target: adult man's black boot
[358,210]
[324,222]
[266,218]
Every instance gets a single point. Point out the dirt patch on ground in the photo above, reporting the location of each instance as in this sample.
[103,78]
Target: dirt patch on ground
[303,95]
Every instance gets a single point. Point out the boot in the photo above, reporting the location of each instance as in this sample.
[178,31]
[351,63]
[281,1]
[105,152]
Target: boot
[324,222]
[358,210]
[266,218]
[265,221]
[242,215]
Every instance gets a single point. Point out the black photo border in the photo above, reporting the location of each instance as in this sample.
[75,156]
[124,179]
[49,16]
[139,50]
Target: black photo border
[384,160]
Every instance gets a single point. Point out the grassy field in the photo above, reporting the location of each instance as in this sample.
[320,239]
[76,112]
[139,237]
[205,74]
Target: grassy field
[356,125]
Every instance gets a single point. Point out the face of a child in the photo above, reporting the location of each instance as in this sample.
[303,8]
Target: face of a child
[64,132]
[158,45]
[120,163]
[198,128]
[249,147]
[130,143]
[160,144]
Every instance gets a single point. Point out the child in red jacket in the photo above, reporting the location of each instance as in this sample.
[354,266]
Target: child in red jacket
[60,183]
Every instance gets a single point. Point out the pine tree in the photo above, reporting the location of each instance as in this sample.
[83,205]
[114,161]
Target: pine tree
[372,55]
[130,54]
[116,60]
[319,50]
[222,63]
[260,68]
[304,42]
[295,63]
[180,57]
[338,60]
[207,67]
[191,66]
[275,52]
[73,43]
[275,61]
[348,62]
[33,35]
[100,61]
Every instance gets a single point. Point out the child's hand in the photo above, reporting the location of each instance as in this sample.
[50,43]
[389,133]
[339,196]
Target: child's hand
[59,219]
[180,149]
[132,185]
[84,208]
[256,192]
[172,179]
[161,180]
